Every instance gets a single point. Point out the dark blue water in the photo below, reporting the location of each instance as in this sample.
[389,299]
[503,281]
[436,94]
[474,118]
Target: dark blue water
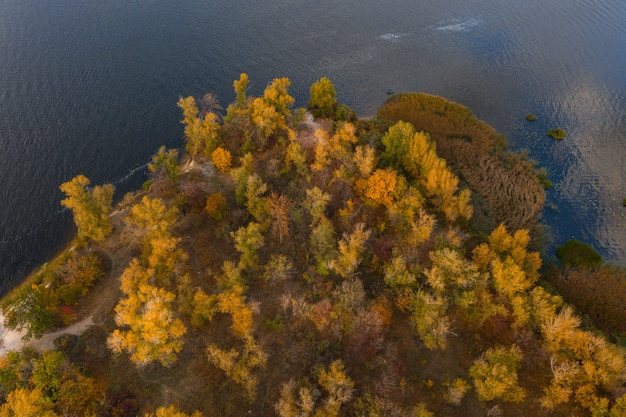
[91,87]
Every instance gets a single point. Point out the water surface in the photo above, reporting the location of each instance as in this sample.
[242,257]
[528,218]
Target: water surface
[91,87]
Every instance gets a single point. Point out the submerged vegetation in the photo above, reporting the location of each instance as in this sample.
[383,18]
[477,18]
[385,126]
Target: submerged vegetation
[293,265]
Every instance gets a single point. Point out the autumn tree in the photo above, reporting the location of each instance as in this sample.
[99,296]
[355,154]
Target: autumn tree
[238,365]
[240,86]
[397,274]
[338,385]
[258,206]
[513,268]
[322,155]
[240,176]
[315,203]
[280,206]
[341,143]
[27,403]
[165,163]
[279,268]
[201,132]
[90,207]
[222,159]
[302,399]
[584,365]
[216,206]
[322,243]
[150,331]
[381,187]
[322,102]
[351,248]
[495,374]
[248,240]
[428,314]
[171,411]
[295,155]
[270,112]
[152,217]
[365,160]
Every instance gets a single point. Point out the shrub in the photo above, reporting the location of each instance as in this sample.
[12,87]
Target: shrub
[216,206]
[578,254]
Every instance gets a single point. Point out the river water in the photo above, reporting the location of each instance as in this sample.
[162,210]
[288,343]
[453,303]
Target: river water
[91,87]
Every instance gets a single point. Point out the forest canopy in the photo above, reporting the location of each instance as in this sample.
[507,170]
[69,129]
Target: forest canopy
[303,262]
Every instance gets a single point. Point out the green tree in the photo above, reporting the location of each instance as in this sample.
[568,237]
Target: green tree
[322,102]
[30,308]
[248,240]
[90,207]
[396,142]
[165,163]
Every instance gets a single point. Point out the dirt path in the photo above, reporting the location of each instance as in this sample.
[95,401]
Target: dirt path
[12,340]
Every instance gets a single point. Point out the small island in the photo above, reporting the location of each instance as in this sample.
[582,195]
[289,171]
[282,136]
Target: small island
[557,134]
[305,262]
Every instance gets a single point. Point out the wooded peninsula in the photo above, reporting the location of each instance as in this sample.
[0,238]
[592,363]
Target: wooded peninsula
[301,262]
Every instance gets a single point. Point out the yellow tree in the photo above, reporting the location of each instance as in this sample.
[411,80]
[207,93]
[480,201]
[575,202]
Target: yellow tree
[341,142]
[240,86]
[171,411]
[338,385]
[495,374]
[90,207]
[26,403]
[381,186]
[238,365]
[322,102]
[152,216]
[222,159]
[351,249]
[364,159]
[277,96]
[322,156]
[202,133]
[150,330]
[295,155]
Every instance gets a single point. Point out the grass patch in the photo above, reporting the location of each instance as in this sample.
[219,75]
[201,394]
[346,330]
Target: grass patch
[557,134]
